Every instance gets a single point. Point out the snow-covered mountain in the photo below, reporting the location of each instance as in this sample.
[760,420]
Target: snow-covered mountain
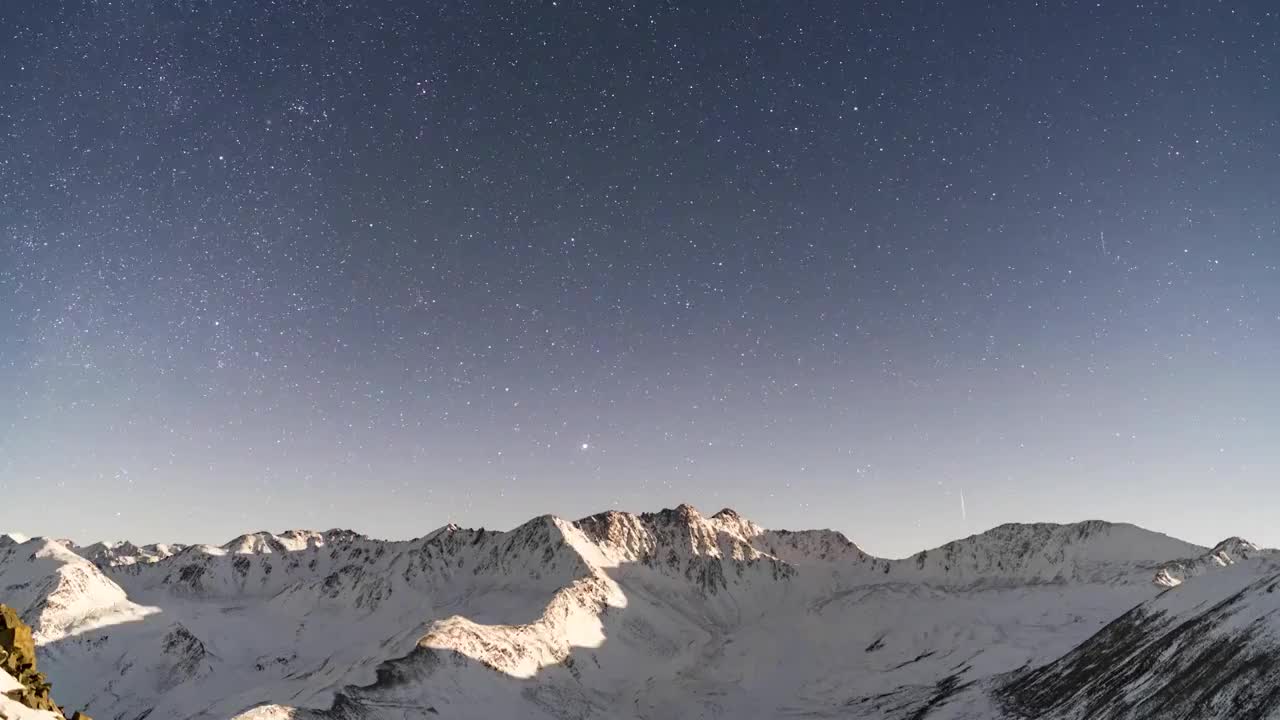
[123,552]
[1227,552]
[58,592]
[1207,649]
[671,614]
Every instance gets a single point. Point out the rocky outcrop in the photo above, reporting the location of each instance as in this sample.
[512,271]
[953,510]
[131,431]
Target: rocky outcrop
[18,660]
[1224,554]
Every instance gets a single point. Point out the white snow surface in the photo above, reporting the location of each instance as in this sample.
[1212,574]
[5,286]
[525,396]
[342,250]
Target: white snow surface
[1208,648]
[58,592]
[125,553]
[661,615]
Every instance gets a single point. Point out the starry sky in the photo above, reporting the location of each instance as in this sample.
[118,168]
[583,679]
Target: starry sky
[903,269]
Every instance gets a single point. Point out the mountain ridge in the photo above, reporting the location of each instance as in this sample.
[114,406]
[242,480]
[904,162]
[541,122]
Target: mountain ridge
[723,514]
[564,614]
[178,542]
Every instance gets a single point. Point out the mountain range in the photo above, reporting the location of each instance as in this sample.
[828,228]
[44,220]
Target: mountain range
[672,614]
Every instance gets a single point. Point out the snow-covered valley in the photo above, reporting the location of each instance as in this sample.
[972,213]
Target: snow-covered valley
[660,615]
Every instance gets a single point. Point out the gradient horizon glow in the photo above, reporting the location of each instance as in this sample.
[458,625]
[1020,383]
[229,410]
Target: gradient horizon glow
[389,265]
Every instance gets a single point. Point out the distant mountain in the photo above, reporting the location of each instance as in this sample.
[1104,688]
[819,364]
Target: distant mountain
[1227,552]
[123,553]
[57,591]
[1090,552]
[672,614]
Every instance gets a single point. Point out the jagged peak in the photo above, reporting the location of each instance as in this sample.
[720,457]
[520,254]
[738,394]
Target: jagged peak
[682,528]
[683,515]
[683,512]
[123,552]
[541,529]
[726,533]
[263,541]
[611,527]
[1224,554]
[537,522]
[450,538]
[608,515]
[1235,545]
[446,529]
[110,545]
[614,525]
[243,543]
[731,521]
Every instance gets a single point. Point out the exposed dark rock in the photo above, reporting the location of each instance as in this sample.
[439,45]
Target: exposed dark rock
[18,659]
[15,642]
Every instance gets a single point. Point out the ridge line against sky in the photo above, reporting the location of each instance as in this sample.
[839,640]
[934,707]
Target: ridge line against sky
[856,541]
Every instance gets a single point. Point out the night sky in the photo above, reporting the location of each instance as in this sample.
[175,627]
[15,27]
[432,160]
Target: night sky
[903,269]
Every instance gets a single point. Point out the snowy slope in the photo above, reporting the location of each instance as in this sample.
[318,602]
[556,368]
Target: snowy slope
[1209,648]
[657,615]
[58,592]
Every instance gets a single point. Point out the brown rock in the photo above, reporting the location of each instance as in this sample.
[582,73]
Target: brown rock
[15,639]
[18,658]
